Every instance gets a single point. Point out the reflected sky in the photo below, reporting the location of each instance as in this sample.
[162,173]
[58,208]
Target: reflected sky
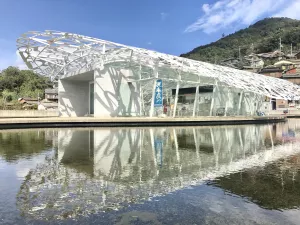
[126,175]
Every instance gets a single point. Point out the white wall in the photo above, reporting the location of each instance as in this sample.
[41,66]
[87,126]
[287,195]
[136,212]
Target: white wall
[73,98]
[27,113]
[114,94]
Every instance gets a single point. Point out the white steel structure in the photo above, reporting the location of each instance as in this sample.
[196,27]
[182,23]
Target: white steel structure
[108,79]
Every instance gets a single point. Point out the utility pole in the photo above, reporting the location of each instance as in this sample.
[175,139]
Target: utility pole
[252,52]
[280,45]
[291,49]
[240,53]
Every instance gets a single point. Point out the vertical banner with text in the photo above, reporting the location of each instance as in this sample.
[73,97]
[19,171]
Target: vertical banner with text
[158,95]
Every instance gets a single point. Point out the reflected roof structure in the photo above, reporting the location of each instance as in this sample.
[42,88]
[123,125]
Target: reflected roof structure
[56,54]
[129,169]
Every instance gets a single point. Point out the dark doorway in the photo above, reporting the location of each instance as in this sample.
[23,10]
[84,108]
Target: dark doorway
[273,102]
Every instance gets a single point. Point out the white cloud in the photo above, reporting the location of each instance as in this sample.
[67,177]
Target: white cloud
[291,11]
[163,15]
[9,56]
[20,63]
[149,43]
[206,8]
[11,59]
[226,13]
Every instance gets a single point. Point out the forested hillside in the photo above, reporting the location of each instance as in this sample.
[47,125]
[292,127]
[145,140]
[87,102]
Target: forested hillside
[260,37]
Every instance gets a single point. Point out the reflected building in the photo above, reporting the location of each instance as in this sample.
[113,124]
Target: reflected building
[103,169]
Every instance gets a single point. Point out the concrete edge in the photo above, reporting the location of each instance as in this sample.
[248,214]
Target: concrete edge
[73,124]
[293,116]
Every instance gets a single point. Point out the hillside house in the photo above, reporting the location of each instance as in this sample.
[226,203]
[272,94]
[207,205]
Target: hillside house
[28,103]
[272,71]
[51,95]
[286,70]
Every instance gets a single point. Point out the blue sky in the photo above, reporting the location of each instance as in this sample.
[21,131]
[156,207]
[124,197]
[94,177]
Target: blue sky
[169,26]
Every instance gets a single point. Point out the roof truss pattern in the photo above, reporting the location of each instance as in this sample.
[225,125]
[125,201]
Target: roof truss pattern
[54,54]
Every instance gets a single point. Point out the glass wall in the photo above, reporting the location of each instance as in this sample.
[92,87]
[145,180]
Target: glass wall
[209,100]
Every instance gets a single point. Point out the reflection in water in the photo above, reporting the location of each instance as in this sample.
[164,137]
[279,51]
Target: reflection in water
[98,170]
[15,145]
[275,186]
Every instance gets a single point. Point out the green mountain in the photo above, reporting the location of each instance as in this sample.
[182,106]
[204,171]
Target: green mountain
[260,37]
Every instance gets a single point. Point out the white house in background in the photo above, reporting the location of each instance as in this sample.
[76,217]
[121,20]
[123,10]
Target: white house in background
[106,79]
[51,94]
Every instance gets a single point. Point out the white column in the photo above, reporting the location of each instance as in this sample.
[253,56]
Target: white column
[213,98]
[227,101]
[143,103]
[141,91]
[176,95]
[240,102]
[153,91]
[176,99]
[152,100]
[196,101]
[141,98]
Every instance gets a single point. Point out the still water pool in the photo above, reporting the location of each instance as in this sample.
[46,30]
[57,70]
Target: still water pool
[176,175]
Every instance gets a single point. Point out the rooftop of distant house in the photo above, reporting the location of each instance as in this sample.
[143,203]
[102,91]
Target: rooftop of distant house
[51,91]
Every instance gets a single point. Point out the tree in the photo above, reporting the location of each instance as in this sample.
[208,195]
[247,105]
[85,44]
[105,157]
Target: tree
[15,83]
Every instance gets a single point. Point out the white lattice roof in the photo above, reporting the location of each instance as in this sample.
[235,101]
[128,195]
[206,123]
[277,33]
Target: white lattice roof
[54,53]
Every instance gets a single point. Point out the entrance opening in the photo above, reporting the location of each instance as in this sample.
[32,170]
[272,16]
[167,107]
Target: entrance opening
[273,104]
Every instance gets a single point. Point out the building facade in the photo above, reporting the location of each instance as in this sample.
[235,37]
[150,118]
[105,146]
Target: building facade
[106,79]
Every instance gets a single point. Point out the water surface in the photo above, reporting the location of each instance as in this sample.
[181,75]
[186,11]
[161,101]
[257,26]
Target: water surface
[178,175]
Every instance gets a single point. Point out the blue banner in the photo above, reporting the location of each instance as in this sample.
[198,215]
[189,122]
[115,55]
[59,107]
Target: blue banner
[158,95]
